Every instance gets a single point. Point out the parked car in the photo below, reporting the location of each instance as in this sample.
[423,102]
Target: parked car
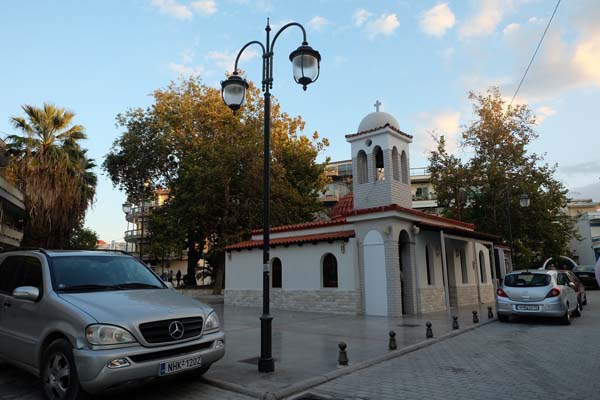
[579,288]
[543,293]
[87,321]
[587,275]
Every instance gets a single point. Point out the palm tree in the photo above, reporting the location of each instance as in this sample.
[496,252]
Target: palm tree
[54,171]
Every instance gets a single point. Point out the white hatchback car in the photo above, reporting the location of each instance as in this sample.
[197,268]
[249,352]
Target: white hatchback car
[542,293]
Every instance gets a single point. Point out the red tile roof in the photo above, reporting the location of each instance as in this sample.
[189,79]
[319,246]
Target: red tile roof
[342,207]
[322,237]
[396,207]
[304,225]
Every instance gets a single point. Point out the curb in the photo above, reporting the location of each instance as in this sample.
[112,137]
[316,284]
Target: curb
[321,379]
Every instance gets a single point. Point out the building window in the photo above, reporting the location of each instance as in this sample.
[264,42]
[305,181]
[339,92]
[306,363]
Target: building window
[362,169]
[395,164]
[463,266]
[330,273]
[379,168]
[428,265]
[276,273]
[404,166]
[482,268]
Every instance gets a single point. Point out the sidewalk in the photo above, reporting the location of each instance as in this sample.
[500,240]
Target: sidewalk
[305,345]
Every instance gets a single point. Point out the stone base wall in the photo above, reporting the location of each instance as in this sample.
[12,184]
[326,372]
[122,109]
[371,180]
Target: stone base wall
[432,299]
[463,295]
[324,300]
[487,293]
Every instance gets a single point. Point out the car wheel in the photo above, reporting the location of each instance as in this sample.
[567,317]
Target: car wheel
[58,372]
[503,318]
[566,319]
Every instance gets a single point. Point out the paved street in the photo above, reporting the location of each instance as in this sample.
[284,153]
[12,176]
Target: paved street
[521,360]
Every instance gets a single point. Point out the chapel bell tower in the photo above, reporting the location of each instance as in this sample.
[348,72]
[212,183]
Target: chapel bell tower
[380,162]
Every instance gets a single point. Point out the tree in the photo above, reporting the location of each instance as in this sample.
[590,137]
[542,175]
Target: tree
[486,188]
[211,161]
[82,239]
[55,174]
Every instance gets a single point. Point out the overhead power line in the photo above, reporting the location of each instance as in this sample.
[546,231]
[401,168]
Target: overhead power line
[535,52]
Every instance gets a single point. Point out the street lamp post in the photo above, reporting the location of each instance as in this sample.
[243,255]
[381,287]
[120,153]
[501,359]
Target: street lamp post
[126,209]
[524,203]
[306,68]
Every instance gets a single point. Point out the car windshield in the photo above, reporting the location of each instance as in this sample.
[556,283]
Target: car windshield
[527,279]
[94,273]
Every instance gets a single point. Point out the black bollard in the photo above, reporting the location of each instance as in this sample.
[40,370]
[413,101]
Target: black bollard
[343,357]
[392,345]
[475,317]
[490,313]
[429,332]
[454,322]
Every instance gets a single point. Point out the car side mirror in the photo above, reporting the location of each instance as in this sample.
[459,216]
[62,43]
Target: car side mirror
[26,293]
[572,284]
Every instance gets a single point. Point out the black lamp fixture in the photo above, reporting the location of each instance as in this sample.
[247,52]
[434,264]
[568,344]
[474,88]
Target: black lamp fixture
[307,65]
[524,200]
[306,68]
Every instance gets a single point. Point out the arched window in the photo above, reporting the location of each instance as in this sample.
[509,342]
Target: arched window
[330,273]
[482,268]
[379,168]
[404,166]
[428,264]
[463,266]
[362,170]
[395,164]
[276,273]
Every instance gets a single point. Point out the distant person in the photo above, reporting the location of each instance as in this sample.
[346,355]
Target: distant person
[551,267]
[163,276]
[171,276]
[178,276]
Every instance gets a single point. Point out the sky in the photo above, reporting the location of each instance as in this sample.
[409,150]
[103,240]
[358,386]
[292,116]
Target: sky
[419,58]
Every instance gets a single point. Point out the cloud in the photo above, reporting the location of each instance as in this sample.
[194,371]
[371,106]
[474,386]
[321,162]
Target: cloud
[172,8]
[486,19]
[447,54]
[591,191]
[568,59]
[360,16]
[543,113]
[588,167]
[385,25]
[204,7]
[511,29]
[445,123]
[187,70]
[225,60]
[437,20]
[187,56]
[317,22]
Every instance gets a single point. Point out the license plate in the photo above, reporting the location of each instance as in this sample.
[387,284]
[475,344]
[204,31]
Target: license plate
[174,366]
[527,307]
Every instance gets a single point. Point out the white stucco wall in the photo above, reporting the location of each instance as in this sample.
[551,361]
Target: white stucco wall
[300,266]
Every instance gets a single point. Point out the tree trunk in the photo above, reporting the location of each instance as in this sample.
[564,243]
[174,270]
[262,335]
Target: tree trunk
[193,258]
[219,267]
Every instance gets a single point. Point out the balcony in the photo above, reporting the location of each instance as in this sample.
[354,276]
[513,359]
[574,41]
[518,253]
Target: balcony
[135,235]
[421,171]
[10,236]
[421,197]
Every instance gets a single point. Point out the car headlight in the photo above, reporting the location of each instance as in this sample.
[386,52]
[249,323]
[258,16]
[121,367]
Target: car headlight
[104,335]
[212,323]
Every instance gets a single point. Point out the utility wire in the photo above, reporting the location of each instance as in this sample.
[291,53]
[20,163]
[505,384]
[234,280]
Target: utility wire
[535,52]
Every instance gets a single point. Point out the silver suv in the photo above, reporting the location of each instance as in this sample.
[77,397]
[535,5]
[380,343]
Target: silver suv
[88,321]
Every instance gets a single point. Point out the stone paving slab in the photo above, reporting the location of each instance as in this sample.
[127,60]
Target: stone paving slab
[524,359]
[305,345]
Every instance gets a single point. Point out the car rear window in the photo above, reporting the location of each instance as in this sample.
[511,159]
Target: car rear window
[527,280]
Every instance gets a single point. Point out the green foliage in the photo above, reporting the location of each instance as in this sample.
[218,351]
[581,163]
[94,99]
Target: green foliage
[55,174]
[211,161]
[486,188]
[82,238]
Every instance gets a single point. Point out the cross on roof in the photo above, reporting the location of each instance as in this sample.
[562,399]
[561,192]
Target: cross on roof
[377,104]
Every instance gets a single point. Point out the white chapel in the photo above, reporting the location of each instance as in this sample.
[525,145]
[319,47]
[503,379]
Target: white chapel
[376,255]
